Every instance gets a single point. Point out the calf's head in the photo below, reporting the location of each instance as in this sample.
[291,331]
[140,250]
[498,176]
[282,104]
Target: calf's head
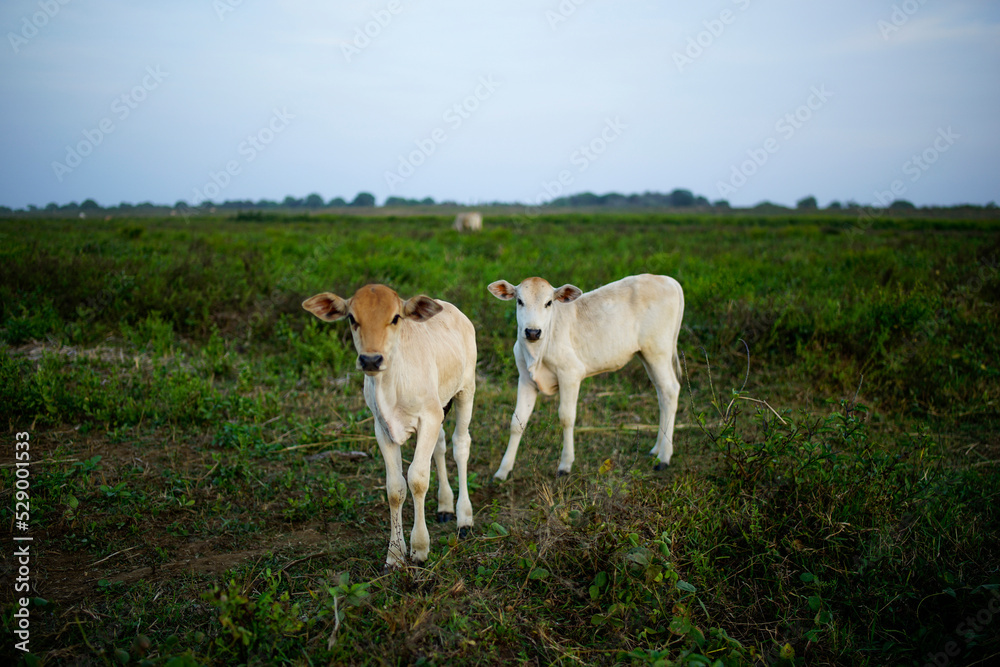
[535,300]
[376,315]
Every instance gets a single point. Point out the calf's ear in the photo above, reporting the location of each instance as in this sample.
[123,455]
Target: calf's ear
[568,293]
[502,290]
[421,308]
[326,306]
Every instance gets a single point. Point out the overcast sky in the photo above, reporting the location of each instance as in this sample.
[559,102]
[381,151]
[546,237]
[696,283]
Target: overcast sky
[505,100]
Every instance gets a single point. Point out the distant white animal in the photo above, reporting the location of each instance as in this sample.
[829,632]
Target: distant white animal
[471,221]
[564,336]
[418,356]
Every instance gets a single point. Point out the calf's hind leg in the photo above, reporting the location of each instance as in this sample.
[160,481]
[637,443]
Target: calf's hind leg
[668,390]
[461,445]
[445,496]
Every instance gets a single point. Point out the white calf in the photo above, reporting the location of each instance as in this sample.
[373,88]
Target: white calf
[564,336]
[417,356]
[472,222]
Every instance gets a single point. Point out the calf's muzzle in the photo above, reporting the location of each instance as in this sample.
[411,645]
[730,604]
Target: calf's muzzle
[370,362]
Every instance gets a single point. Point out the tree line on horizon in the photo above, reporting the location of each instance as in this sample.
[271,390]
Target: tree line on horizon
[678,198]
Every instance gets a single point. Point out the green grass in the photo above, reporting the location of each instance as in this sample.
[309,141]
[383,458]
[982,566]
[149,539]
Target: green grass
[206,488]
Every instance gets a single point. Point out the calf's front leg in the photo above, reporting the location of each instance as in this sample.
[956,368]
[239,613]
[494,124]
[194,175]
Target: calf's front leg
[418,476]
[527,394]
[569,392]
[395,488]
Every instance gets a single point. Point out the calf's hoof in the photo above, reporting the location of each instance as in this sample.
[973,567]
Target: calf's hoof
[562,473]
[445,517]
[661,466]
[464,532]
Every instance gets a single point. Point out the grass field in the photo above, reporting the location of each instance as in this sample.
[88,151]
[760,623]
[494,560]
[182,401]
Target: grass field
[205,486]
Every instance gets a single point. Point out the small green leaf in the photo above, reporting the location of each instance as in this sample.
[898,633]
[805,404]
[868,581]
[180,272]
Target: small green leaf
[680,625]
[640,556]
[538,573]
[815,602]
[807,577]
[686,587]
[697,660]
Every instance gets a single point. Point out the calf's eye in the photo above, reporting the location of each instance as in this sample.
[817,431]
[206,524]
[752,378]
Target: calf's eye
[354,322]
[519,302]
[548,304]
[395,320]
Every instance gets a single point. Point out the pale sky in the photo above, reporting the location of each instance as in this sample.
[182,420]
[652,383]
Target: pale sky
[500,100]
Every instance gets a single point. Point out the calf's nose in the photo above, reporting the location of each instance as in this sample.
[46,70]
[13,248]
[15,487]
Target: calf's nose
[370,362]
[532,334]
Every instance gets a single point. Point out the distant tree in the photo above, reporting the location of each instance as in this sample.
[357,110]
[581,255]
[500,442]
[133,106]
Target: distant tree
[614,200]
[181,204]
[585,199]
[32,207]
[769,207]
[807,204]
[236,204]
[337,201]
[72,206]
[395,201]
[901,205]
[364,199]
[291,202]
[681,198]
[314,201]
[89,205]
[722,203]
[6,210]
[835,206]
[427,201]
[52,206]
